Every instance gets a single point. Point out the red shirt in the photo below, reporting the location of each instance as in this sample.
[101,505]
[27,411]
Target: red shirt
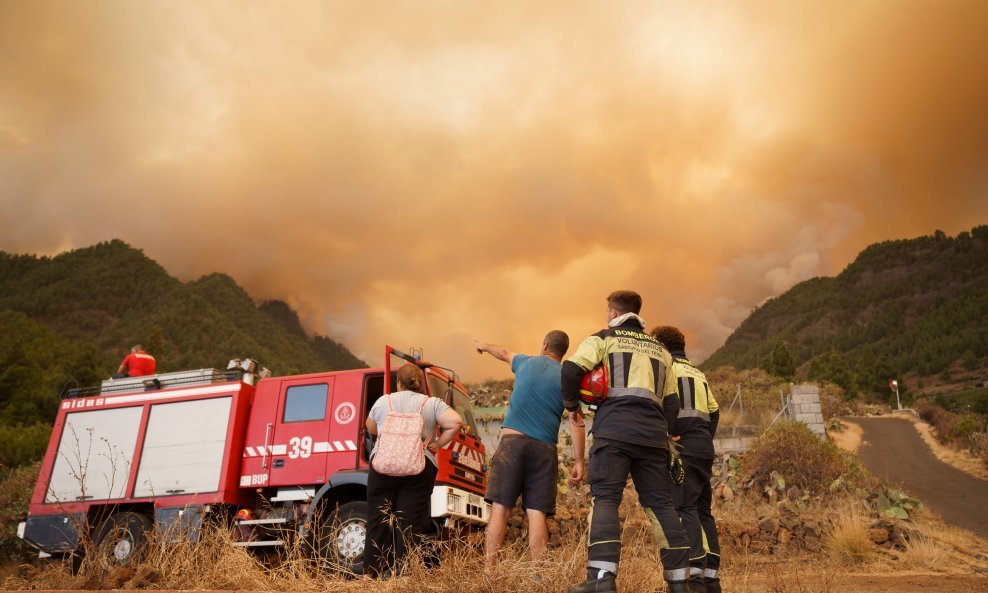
[139,364]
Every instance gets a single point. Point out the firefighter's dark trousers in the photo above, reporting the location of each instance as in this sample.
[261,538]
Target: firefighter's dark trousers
[610,464]
[693,505]
[397,517]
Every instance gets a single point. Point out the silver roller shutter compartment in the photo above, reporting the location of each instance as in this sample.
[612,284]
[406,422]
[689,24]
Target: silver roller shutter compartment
[184,448]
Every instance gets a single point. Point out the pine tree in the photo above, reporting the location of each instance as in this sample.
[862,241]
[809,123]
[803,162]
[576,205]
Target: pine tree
[782,364]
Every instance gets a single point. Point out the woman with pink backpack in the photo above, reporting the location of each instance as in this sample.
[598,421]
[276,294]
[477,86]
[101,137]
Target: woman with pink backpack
[403,469]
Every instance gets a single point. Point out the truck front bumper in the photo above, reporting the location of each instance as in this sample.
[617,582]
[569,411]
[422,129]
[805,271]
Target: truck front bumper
[51,534]
[450,502]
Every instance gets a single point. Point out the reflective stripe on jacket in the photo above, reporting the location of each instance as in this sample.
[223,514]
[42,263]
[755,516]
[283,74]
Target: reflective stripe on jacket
[640,390]
[699,413]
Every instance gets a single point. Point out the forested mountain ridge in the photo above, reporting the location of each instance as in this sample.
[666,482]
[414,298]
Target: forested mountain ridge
[915,309]
[74,316]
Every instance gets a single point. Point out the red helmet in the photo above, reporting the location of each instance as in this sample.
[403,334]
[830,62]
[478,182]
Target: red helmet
[593,386]
[245,515]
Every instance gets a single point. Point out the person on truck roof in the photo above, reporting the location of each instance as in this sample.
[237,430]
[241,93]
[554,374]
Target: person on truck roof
[137,364]
[398,508]
[525,463]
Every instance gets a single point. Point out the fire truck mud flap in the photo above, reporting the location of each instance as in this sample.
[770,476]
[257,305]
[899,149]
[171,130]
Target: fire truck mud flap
[179,524]
[53,534]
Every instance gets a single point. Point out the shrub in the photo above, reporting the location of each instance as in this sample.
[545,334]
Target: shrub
[897,504]
[20,445]
[16,486]
[793,452]
[958,430]
[979,446]
[963,427]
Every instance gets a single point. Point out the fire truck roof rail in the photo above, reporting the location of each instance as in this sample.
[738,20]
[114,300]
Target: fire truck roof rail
[158,381]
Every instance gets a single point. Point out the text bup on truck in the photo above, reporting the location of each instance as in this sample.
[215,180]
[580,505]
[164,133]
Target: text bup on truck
[283,457]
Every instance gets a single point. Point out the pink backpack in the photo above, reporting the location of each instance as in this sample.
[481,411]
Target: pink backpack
[400,450]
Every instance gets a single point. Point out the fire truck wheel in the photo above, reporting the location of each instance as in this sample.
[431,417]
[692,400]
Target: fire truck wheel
[123,537]
[342,539]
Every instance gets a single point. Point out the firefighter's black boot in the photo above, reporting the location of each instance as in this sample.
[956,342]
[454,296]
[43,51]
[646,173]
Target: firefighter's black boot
[677,587]
[592,585]
[696,584]
[712,585]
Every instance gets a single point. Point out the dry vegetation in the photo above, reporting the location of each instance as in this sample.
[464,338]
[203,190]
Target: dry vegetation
[797,515]
[960,431]
[786,530]
[762,397]
[213,564]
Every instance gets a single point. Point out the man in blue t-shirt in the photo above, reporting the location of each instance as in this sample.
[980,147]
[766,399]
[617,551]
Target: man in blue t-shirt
[525,463]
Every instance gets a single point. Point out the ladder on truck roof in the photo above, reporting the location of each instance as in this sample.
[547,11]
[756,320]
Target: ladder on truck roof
[157,381]
[165,380]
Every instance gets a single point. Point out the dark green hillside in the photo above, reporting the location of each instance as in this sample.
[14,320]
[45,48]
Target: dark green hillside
[82,293]
[284,315]
[914,308]
[35,362]
[75,315]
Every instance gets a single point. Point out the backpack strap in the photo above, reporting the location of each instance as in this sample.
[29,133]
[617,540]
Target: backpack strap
[435,431]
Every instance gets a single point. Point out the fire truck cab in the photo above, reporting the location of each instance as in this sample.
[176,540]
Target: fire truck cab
[285,457]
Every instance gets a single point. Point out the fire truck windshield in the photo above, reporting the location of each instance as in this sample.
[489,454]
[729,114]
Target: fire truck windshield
[459,402]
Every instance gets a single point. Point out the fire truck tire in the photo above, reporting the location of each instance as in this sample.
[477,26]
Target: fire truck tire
[342,538]
[122,538]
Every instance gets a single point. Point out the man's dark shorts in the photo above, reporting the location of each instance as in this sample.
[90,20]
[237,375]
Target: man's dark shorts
[524,466]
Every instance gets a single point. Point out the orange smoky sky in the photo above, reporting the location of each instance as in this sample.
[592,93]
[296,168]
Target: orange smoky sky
[424,173]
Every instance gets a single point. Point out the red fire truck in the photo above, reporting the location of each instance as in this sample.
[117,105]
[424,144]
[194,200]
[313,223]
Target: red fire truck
[277,453]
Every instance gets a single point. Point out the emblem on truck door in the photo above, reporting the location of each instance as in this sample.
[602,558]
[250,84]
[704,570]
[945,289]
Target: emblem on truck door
[345,413]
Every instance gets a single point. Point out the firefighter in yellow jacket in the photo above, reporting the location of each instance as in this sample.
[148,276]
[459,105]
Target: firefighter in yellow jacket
[696,426]
[630,435]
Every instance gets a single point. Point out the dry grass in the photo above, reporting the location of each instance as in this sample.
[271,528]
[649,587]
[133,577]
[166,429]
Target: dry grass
[759,396]
[212,563]
[961,459]
[847,541]
[849,438]
[7,569]
[922,553]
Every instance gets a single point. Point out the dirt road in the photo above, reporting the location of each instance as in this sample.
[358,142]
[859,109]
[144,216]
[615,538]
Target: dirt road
[892,449]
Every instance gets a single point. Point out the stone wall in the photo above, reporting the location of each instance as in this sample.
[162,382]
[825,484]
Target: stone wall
[781,530]
[806,407]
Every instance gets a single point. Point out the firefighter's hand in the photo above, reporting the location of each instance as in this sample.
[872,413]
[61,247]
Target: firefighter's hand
[576,473]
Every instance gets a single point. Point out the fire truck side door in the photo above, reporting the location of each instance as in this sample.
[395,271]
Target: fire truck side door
[301,444]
